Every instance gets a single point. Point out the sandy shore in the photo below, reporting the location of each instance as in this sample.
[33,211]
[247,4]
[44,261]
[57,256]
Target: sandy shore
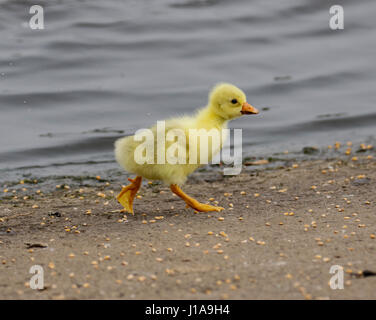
[281,232]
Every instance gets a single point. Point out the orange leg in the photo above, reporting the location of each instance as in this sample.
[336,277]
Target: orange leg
[193,203]
[128,193]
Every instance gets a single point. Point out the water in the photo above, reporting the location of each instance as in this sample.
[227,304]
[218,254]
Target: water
[102,69]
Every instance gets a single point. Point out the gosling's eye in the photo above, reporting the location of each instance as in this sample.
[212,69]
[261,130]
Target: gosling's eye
[233,101]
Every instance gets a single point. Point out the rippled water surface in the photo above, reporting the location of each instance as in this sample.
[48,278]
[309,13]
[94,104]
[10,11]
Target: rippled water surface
[102,69]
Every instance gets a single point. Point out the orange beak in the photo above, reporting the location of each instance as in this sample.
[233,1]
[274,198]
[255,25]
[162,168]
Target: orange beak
[248,109]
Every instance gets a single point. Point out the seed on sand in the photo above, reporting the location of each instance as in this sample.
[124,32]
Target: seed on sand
[170,271]
[233,287]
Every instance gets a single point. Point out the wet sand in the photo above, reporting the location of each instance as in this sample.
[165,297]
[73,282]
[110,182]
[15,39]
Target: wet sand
[281,232]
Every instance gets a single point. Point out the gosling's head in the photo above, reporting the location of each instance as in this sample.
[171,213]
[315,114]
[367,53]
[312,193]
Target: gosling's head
[229,102]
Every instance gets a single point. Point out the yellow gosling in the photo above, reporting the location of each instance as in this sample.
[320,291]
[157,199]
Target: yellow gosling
[226,102]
